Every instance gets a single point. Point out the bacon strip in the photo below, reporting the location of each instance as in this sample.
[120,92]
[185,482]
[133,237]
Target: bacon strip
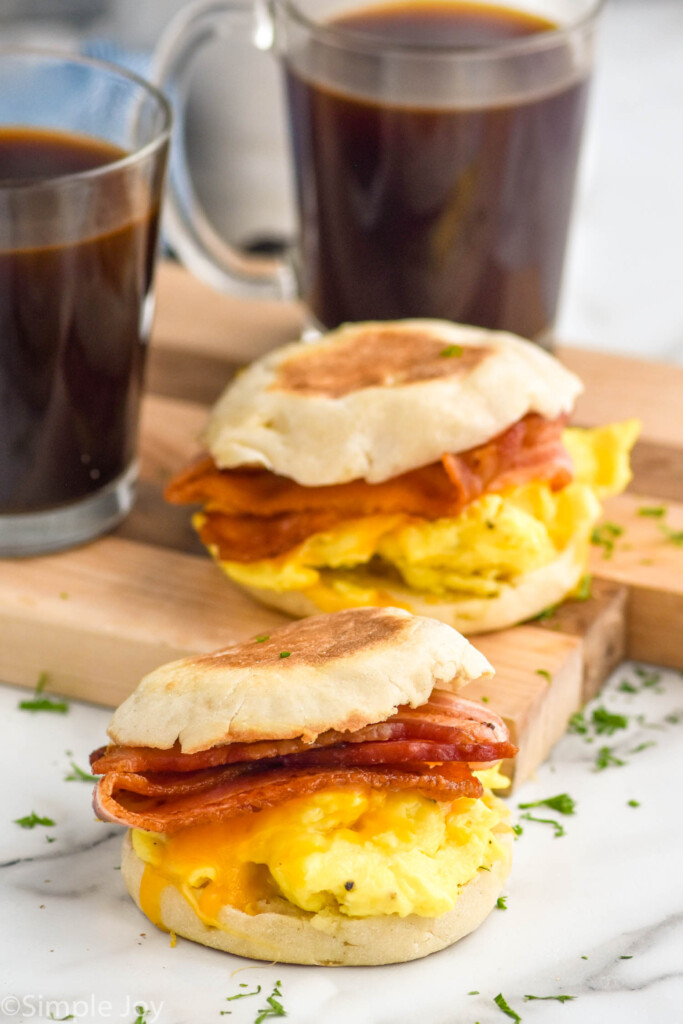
[402,752]
[168,805]
[373,745]
[431,749]
[148,759]
[446,710]
[530,449]
[251,539]
[476,733]
[252,514]
[258,492]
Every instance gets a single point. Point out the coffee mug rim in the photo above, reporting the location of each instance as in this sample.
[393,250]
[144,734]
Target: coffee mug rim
[161,137]
[345,38]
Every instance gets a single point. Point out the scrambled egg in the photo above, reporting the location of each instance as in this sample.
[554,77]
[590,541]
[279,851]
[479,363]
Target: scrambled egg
[354,851]
[494,540]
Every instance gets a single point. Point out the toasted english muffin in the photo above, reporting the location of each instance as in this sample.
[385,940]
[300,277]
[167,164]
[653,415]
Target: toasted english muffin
[373,400]
[307,678]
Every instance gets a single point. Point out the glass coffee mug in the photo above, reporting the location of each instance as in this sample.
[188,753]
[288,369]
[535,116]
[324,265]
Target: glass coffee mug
[435,149]
[83,150]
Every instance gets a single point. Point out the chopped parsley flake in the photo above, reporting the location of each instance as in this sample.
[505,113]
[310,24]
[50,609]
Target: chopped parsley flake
[33,819]
[501,903]
[653,511]
[38,703]
[604,536]
[626,957]
[451,350]
[517,829]
[558,999]
[285,654]
[141,1015]
[606,722]
[547,613]
[602,722]
[50,839]
[503,1005]
[274,1008]
[474,992]
[578,723]
[69,1016]
[562,803]
[243,995]
[559,830]
[605,759]
[544,672]
[642,746]
[585,588]
[484,700]
[647,677]
[626,687]
[262,639]
[634,803]
[78,775]
[673,536]
[59,707]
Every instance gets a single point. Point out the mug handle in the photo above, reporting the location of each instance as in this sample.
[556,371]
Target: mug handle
[186,226]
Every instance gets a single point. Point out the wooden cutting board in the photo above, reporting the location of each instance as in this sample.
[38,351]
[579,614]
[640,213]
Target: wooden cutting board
[98,617]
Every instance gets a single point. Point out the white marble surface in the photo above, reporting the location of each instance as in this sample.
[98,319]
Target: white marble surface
[578,905]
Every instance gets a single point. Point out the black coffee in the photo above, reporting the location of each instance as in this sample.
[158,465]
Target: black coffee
[455,213]
[72,337]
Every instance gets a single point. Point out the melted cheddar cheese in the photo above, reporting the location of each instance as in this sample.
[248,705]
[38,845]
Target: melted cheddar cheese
[354,851]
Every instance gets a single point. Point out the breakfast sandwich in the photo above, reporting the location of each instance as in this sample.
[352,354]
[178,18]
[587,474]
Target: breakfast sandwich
[320,795]
[418,464]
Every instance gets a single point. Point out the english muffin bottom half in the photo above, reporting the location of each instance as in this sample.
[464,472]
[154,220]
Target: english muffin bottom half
[319,795]
[416,464]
